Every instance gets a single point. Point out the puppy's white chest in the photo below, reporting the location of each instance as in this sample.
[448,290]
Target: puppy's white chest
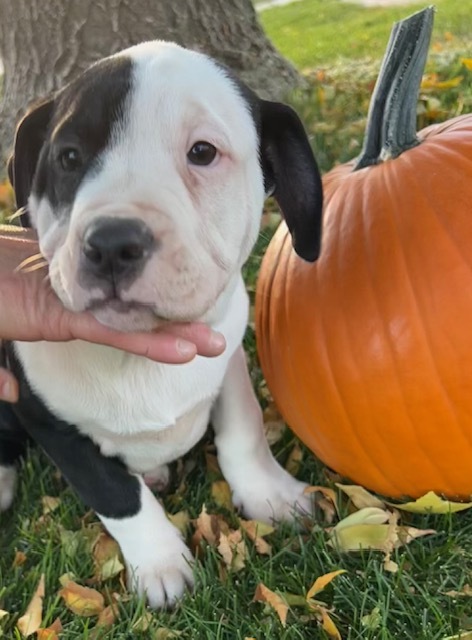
[123,401]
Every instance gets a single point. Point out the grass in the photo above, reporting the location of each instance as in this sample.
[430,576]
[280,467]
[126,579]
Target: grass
[367,603]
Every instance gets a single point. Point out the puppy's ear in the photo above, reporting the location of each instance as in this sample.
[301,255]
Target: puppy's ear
[291,175]
[29,139]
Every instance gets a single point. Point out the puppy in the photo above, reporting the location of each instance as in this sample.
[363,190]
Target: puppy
[145,180]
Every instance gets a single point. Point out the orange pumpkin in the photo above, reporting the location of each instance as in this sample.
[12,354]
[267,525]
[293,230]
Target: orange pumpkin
[368,352]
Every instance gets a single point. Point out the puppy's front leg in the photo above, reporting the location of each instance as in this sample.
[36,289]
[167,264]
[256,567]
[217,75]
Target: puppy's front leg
[263,489]
[157,558]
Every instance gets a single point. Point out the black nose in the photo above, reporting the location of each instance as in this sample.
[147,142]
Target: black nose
[115,248]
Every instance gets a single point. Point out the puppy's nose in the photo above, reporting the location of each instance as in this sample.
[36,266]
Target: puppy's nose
[116,247]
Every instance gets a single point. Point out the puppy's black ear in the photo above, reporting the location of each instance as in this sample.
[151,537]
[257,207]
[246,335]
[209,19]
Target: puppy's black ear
[292,176]
[29,139]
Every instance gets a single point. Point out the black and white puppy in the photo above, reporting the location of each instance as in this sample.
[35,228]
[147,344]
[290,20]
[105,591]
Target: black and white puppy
[145,180]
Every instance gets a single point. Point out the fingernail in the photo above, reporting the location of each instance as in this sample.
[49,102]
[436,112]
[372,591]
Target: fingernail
[186,349]
[217,340]
[7,392]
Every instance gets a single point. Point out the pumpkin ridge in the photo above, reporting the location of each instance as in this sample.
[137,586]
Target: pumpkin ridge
[427,345]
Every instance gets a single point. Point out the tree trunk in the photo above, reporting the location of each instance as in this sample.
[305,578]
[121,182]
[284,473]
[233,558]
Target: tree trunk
[46,43]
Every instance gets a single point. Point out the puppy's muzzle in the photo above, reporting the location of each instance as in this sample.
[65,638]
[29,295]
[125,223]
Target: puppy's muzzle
[115,251]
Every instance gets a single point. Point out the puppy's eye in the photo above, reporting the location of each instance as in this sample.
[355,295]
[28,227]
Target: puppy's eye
[70,159]
[202,153]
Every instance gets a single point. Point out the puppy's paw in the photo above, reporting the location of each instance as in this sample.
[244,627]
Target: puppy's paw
[164,574]
[7,486]
[273,495]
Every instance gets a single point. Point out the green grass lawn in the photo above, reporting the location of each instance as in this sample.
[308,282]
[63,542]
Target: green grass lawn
[340,46]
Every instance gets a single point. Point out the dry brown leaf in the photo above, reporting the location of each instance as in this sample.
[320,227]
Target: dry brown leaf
[31,620]
[294,460]
[208,527]
[465,591]
[255,531]
[360,497]
[107,557]
[82,601]
[51,632]
[50,504]
[19,559]
[108,616]
[221,494]
[321,582]
[264,594]
[232,549]
[274,425]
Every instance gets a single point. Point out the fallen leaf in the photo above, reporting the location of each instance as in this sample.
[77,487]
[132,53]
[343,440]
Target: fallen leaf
[50,504]
[19,559]
[3,613]
[467,62]
[327,502]
[181,520]
[232,549]
[70,541]
[106,555]
[432,503]
[143,622]
[166,634]
[31,621]
[321,582]
[360,497]
[328,624]
[274,425]
[465,591]
[462,635]
[365,516]
[294,460]
[372,620]
[208,527]
[264,594]
[108,616]
[212,464]
[221,494]
[82,601]
[51,632]
[256,531]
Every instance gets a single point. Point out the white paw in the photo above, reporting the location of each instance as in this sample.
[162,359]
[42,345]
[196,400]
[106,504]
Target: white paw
[164,575]
[158,478]
[7,486]
[272,495]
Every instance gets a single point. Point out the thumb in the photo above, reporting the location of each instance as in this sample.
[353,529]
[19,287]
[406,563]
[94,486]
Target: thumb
[8,386]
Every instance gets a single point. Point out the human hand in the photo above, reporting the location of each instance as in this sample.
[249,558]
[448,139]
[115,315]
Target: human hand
[31,311]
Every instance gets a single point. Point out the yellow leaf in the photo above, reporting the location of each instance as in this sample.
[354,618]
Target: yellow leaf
[255,531]
[143,622]
[467,62]
[328,625]
[431,503]
[463,635]
[431,82]
[106,554]
[31,621]
[3,613]
[362,536]
[365,516]
[50,504]
[264,594]
[360,497]
[181,520]
[83,601]
[50,633]
[372,620]
[321,582]
[166,634]
[221,494]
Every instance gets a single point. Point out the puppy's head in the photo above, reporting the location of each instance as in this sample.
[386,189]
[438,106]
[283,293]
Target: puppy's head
[145,180]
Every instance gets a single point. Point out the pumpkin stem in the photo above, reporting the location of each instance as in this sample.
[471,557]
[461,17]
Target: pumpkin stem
[391,121]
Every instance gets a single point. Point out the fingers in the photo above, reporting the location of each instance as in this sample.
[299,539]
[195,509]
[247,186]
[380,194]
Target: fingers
[208,343]
[8,386]
[175,344]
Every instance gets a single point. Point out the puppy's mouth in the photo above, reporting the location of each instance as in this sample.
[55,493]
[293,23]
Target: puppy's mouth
[121,306]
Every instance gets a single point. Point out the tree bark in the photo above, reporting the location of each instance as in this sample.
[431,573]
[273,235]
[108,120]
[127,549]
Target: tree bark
[46,43]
